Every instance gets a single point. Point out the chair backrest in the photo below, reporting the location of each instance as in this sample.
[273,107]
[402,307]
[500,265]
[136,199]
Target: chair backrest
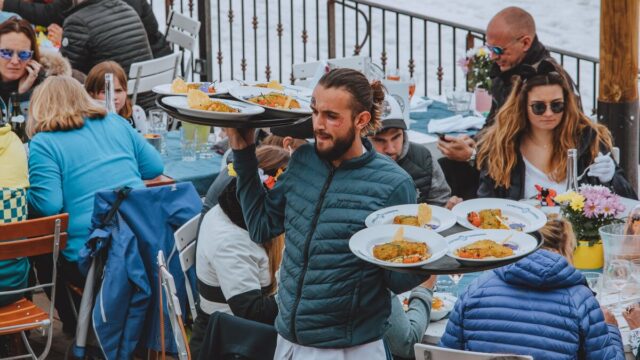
[144,75]
[173,305]
[304,71]
[185,238]
[183,32]
[430,352]
[33,237]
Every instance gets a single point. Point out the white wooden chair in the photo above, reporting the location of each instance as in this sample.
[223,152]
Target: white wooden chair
[175,313]
[305,71]
[183,32]
[430,352]
[144,75]
[185,238]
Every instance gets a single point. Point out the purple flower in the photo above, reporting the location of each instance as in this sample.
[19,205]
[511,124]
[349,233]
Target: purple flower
[590,209]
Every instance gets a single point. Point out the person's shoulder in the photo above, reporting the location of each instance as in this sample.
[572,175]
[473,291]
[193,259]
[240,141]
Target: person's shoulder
[385,167]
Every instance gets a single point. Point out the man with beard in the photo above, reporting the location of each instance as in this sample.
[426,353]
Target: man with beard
[332,305]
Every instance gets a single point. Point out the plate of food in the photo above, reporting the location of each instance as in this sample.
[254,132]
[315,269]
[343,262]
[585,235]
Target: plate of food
[179,87]
[489,213]
[277,102]
[198,104]
[441,304]
[423,215]
[398,246]
[487,246]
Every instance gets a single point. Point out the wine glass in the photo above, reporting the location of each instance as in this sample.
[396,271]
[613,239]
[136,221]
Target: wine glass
[617,274]
[456,280]
[594,281]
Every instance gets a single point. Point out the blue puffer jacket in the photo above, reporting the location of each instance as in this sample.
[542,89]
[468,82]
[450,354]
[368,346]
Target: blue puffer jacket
[538,306]
[328,298]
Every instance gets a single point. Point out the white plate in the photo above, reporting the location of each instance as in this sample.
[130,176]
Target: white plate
[165,89]
[521,243]
[301,91]
[246,110]
[362,243]
[516,212]
[442,219]
[436,315]
[244,93]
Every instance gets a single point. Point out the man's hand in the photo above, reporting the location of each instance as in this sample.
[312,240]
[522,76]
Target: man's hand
[430,282]
[608,316]
[453,201]
[458,149]
[240,138]
[1,5]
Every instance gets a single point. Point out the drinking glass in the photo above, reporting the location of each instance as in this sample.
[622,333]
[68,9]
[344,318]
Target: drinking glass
[456,280]
[393,74]
[594,280]
[205,150]
[445,285]
[157,124]
[617,273]
[412,85]
[188,143]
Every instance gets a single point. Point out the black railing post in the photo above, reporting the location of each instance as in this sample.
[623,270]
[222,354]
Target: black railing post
[205,39]
[331,28]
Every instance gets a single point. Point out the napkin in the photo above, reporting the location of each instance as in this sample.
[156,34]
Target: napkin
[418,103]
[455,123]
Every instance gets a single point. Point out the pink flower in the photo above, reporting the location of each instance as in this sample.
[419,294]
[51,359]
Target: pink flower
[590,209]
[464,65]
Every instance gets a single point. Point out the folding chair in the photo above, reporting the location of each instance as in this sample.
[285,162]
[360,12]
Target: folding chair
[31,238]
[173,305]
[183,32]
[144,75]
[186,237]
[430,352]
[305,71]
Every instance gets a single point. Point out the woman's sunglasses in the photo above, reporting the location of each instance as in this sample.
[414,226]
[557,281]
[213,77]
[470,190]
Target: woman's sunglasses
[23,55]
[540,108]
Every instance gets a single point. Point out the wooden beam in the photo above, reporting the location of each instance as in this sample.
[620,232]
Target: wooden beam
[618,93]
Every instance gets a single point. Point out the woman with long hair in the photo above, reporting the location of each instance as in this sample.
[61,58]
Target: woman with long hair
[528,143]
[76,150]
[235,274]
[94,84]
[539,306]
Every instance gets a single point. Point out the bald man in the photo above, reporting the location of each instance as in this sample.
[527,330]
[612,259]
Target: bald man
[512,42]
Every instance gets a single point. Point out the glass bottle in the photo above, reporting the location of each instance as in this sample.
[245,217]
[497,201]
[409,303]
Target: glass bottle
[572,170]
[17,119]
[109,93]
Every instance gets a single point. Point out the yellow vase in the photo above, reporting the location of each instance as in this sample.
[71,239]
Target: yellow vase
[587,257]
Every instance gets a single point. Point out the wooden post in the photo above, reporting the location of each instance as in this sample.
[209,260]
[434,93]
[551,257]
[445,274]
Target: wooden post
[331,28]
[618,93]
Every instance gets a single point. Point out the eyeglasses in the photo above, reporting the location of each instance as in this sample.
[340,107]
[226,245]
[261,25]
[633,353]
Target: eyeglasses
[500,50]
[540,108]
[23,55]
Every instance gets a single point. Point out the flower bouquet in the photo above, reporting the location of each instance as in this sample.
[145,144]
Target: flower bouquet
[476,66]
[588,209]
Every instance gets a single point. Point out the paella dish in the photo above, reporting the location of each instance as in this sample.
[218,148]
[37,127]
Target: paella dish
[488,219]
[484,249]
[179,86]
[423,217]
[198,100]
[400,250]
[276,100]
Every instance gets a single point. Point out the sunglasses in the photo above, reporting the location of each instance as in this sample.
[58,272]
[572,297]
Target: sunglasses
[500,50]
[540,108]
[23,55]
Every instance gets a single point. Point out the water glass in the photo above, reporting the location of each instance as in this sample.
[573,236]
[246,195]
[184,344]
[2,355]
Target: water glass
[445,285]
[456,280]
[617,274]
[458,100]
[157,124]
[188,144]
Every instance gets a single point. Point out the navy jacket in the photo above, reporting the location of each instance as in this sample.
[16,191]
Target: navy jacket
[539,306]
[327,297]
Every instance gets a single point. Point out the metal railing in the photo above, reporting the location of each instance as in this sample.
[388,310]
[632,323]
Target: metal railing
[263,39]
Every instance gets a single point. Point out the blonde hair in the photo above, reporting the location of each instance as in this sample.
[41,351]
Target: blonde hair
[558,236]
[60,103]
[498,146]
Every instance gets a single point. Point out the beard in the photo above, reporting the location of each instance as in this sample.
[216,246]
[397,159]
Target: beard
[340,145]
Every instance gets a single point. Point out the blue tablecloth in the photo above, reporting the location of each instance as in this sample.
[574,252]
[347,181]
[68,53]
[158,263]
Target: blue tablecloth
[437,110]
[201,172]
